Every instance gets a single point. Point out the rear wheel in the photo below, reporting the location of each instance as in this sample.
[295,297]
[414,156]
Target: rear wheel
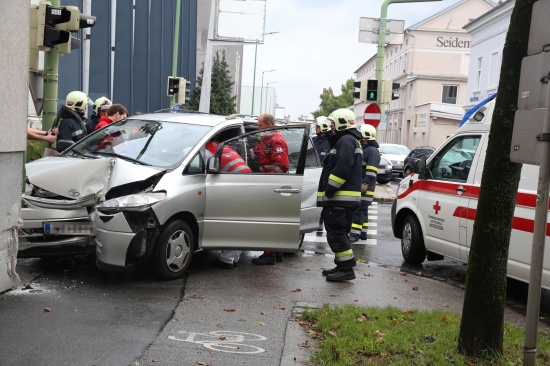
[412,242]
[173,251]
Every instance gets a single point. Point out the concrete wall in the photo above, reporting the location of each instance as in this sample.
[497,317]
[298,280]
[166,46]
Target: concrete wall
[14,27]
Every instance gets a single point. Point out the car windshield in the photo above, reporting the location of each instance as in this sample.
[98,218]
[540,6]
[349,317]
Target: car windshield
[394,149]
[161,144]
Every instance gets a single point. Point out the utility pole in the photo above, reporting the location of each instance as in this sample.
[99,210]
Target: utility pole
[382,45]
[51,76]
[175,48]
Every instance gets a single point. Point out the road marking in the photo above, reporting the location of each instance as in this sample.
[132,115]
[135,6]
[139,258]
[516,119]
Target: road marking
[222,340]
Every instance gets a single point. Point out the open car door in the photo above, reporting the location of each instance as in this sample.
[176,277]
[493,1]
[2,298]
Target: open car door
[258,209]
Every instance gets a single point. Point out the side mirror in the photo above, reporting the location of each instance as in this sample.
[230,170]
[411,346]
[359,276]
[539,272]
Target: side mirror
[213,164]
[62,145]
[419,167]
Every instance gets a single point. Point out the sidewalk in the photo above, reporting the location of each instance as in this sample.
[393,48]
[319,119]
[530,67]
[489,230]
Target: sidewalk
[384,193]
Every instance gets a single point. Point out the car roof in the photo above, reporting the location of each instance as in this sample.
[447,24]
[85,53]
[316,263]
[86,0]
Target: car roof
[203,119]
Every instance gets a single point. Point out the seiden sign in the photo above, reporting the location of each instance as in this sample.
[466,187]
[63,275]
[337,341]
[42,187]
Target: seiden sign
[452,42]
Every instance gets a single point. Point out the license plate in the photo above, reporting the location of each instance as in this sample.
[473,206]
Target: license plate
[82,228]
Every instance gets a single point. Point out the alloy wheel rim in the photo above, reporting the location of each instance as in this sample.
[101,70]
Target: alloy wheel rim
[177,251]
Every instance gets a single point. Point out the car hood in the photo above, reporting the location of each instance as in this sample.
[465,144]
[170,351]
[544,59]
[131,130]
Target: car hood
[74,177]
[394,157]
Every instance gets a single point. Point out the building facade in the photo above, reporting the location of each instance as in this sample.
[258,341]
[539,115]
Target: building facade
[431,66]
[488,34]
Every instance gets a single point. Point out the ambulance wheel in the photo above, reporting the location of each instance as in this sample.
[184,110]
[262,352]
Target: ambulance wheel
[173,251]
[412,242]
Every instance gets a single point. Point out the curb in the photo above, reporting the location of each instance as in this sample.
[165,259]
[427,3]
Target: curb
[384,194]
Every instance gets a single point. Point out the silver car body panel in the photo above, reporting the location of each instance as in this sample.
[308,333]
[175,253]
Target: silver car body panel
[90,200]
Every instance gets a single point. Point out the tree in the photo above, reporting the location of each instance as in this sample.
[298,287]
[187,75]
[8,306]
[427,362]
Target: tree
[330,102]
[482,325]
[222,101]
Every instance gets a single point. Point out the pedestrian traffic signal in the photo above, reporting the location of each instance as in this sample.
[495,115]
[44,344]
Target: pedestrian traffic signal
[362,93]
[372,90]
[182,94]
[47,17]
[173,86]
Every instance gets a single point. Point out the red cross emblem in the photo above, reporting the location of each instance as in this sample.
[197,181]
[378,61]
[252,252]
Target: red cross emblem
[437,207]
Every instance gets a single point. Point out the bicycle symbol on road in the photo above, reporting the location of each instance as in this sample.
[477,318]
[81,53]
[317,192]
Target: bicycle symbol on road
[223,341]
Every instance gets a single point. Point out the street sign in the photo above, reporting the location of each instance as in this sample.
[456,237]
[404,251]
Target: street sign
[369,29]
[372,115]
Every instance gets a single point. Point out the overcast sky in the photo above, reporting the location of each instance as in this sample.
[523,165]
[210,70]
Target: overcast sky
[317,46]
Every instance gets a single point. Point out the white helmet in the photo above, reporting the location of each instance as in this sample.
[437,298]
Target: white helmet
[323,123]
[343,119]
[77,101]
[101,103]
[368,132]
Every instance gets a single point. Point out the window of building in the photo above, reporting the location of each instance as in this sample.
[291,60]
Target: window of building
[494,70]
[449,94]
[478,73]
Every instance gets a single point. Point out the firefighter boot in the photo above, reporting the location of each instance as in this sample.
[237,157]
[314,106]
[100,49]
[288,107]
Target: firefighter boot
[344,274]
[326,272]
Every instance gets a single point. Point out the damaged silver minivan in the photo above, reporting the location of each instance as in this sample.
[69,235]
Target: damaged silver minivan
[142,192]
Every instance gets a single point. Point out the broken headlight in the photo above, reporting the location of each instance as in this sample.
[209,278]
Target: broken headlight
[132,202]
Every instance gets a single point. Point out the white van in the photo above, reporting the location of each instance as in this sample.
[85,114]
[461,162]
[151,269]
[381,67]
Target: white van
[434,213]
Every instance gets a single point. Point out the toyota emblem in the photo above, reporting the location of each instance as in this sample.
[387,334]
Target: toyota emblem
[74,192]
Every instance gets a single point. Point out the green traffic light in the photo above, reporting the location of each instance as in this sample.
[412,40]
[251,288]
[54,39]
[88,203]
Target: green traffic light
[371,96]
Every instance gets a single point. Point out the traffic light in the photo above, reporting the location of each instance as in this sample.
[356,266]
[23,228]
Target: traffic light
[48,17]
[182,94]
[362,93]
[76,22]
[372,90]
[395,86]
[173,86]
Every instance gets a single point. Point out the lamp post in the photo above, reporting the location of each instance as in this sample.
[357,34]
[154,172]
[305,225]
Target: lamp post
[262,89]
[266,92]
[254,77]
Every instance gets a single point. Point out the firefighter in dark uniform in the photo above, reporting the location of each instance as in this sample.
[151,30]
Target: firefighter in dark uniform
[324,131]
[371,160]
[101,106]
[339,192]
[72,126]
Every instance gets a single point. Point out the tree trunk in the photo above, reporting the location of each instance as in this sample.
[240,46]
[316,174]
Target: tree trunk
[482,326]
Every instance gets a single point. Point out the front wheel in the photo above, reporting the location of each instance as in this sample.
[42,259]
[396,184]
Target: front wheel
[173,251]
[412,241]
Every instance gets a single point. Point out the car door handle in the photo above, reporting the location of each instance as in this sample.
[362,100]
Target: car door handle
[460,189]
[287,190]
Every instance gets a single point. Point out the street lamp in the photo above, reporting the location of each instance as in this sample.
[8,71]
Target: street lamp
[266,92]
[262,89]
[254,77]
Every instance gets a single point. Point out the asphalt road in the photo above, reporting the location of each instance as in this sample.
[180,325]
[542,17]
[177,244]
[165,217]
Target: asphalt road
[70,313]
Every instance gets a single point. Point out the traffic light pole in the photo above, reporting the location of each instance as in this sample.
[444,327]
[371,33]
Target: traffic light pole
[51,68]
[175,48]
[382,45]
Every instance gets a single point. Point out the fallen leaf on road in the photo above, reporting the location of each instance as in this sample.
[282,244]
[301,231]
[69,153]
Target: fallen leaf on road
[297,290]
[260,324]
[222,338]
[405,280]
[279,306]
[229,310]
[415,288]
[262,313]
[203,363]
[419,273]
[404,273]
[356,300]
[47,310]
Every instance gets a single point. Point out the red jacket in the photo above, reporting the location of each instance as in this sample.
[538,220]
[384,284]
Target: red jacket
[231,161]
[103,121]
[272,153]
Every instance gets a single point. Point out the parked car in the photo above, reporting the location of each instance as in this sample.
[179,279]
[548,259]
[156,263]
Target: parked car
[138,192]
[395,154]
[385,171]
[418,153]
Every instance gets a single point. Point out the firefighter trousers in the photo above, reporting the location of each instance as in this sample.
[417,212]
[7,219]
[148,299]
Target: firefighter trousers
[338,224]
[360,221]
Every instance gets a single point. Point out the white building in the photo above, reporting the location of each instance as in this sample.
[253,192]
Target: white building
[431,65]
[488,34]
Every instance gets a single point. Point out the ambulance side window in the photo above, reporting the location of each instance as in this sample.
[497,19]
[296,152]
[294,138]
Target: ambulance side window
[454,161]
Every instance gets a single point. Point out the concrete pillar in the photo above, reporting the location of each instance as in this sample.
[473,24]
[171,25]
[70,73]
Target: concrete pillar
[14,69]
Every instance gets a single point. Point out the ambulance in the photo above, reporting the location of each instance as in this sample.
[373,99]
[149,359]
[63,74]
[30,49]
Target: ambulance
[435,210]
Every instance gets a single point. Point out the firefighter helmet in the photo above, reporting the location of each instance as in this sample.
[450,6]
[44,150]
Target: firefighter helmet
[323,123]
[100,104]
[368,132]
[343,119]
[77,101]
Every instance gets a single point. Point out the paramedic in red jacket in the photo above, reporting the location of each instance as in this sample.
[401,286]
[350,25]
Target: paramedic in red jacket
[272,155]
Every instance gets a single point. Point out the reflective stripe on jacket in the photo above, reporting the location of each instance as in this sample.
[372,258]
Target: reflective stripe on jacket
[341,177]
